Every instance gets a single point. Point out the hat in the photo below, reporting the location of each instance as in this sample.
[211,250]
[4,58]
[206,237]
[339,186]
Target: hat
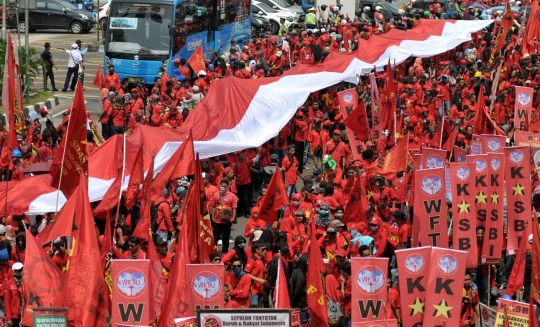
[195,88]
[299,113]
[399,214]
[299,212]
[279,54]
[74,46]
[317,203]
[19,138]
[461,137]
[383,197]
[160,241]
[478,74]
[214,255]
[327,123]
[337,131]
[319,190]
[337,223]
[257,235]
[528,81]
[205,175]
[176,60]
[202,72]
[2,230]
[17,266]
[330,229]
[340,253]
[43,109]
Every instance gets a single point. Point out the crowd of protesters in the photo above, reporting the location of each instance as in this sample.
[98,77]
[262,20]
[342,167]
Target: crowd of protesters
[314,155]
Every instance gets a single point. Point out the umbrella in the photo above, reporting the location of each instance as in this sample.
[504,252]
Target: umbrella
[40,167]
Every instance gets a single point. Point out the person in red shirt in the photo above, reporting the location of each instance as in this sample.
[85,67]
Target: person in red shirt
[301,131]
[60,257]
[163,219]
[18,253]
[106,114]
[224,204]
[289,165]
[242,170]
[165,257]
[315,144]
[118,115]
[253,224]
[135,252]
[240,283]
[394,303]
[256,267]
[346,291]
[112,79]
[337,149]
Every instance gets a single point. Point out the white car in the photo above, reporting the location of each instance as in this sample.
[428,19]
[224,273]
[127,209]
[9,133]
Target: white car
[103,14]
[273,15]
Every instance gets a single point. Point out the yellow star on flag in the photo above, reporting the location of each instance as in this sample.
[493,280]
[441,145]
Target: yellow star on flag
[495,198]
[518,189]
[511,307]
[442,309]
[417,307]
[369,194]
[481,198]
[463,207]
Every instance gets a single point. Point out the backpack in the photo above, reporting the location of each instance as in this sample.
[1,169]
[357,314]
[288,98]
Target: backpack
[271,272]
[154,209]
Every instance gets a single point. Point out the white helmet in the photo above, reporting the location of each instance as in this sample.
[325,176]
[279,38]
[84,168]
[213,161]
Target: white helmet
[378,8]
[336,9]
[366,9]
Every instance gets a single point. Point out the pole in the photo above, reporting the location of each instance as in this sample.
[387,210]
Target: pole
[489,278]
[122,183]
[26,45]
[4,19]
[17,29]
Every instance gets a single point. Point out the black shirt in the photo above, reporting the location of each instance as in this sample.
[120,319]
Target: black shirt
[46,56]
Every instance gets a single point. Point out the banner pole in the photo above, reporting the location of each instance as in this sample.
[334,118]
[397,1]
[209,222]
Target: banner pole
[7,183]
[489,291]
[123,176]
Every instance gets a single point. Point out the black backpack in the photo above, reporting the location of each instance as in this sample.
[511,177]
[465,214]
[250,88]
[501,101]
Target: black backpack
[154,208]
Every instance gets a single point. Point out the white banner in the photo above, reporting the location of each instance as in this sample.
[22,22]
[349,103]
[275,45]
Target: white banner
[487,315]
[245,318]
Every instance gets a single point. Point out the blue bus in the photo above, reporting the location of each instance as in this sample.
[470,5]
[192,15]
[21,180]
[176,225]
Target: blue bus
[144,35]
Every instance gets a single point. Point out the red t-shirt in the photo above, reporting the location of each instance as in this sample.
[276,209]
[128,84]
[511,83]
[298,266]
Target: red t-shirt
[290,169]
[242,172]
[220,202]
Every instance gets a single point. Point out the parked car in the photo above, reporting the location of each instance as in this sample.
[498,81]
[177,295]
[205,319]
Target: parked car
[53,14]
[273,15]
[486,14]
[282,5]
[388,10]
[259,26]
[86,5]
[103,14]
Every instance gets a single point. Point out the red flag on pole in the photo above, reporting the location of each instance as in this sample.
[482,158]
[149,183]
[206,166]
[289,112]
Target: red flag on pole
[70,158]
[357,206]
[275,198]
[111,197]
[141,230]
[533,319]
[98,79]
[535,252]
[357,121]
[393,161]
[106,253]
[182,163]
[175,302]
[10,103]
[85,288]
[532,30]
[316,296]
[517,276]
[158,281]
[196,61]
[136,178]
[507,21]
[43,282]
[450,140]
[282,289]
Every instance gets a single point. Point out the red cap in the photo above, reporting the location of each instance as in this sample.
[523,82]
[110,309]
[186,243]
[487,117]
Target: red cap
[461,137]
[327,123]
[337,131]
[299,113]
[340,253]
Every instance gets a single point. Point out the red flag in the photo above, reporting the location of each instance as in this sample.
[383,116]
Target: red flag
[111,197]
[175,303]
[394,160]
[517,176]
[535,253]
[517,276]
[505,25]
[141,230]
[158,281]
[533,319]
[436,141]
[85,288]
[430,206]
[532,30]
[11,103]
[196,61]
[369,290]
[479,116]
[463,196]
[106,253]
[43,282]
[376,116]
[181,163]
[70,158]
[274,199]
[390,106]
[98,79]
[136,177]
[357,206]
[316,296]
[357,121]
[282,289]
[201,218]
[450,140]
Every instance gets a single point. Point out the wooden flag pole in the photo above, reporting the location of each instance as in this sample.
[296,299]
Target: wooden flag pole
[123,176]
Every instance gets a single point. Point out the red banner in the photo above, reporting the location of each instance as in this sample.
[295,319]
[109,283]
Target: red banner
[205,285]
[413,265]
[523,107]
[369,293]
[430,207]
[376,323]
[376,114]
[433,158]
[464,223]
[493,143]
[491,250]
[357,119]
[476,145]
[481,186]
[517,174]
[533,140]
[444,287]
[460,155]
[131,292]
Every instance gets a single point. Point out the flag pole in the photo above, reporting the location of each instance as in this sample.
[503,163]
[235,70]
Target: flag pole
[7,183]
[123,176]
[442,131]
[64,152]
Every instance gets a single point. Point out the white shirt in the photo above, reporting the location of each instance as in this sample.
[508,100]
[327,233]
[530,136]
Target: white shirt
[74,57]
